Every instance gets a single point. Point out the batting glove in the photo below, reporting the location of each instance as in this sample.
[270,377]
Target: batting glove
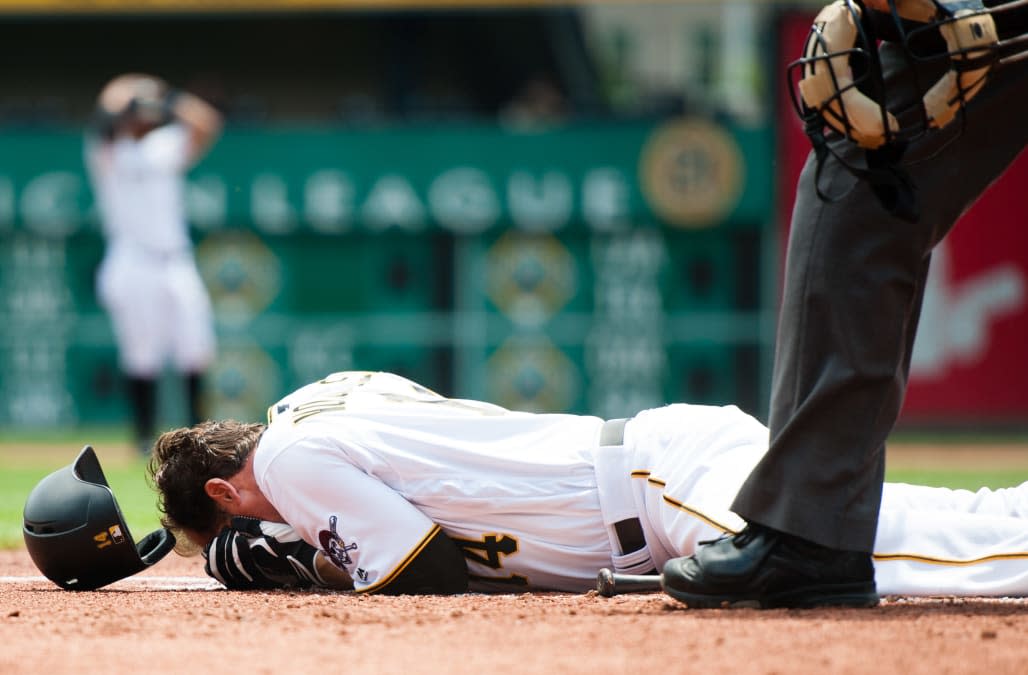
[258,554]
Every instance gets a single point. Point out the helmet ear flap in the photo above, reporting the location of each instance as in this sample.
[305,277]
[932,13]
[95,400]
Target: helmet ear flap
[155,546]
[75,533]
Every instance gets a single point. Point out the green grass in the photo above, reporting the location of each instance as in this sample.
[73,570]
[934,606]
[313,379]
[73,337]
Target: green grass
[966,479]
[17,440]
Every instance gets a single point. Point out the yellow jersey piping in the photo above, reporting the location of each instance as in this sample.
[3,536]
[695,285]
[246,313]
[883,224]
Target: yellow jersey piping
[656,482]
[879,557]
[698,514]
[948,562]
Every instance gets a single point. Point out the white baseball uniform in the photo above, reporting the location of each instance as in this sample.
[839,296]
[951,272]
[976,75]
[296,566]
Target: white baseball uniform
[368,466]
[148,281]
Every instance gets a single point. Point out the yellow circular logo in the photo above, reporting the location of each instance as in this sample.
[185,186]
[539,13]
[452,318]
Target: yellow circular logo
[691,172]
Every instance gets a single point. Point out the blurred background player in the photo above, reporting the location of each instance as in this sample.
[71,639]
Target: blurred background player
[144,138]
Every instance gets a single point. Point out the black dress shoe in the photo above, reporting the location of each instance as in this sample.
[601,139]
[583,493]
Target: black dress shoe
[762,567]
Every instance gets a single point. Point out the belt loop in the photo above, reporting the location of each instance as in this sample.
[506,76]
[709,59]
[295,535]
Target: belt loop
[613,432]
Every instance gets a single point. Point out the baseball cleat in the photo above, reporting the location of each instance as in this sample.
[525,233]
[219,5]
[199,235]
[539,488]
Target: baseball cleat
[763,568]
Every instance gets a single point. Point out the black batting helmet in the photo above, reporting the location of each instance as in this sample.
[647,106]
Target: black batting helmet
[75,533]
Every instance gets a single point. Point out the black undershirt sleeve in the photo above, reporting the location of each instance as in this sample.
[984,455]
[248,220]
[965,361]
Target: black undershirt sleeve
[439,569]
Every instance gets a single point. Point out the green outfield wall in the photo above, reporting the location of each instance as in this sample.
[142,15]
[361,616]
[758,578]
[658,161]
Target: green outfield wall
[593,268]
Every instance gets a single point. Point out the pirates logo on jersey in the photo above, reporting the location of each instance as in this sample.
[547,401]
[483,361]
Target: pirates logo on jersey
[337,550]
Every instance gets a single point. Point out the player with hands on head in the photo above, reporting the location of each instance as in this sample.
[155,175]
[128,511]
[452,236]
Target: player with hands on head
[143,139]
[406,491]
[902,149]
[209,493]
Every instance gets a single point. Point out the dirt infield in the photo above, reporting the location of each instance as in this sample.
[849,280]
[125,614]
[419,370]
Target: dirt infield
[131,628]
[173,619]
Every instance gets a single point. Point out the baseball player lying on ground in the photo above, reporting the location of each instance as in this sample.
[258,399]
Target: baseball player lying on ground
[406,491]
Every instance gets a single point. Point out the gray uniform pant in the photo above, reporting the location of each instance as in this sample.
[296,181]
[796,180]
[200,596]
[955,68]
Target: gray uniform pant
[854,283]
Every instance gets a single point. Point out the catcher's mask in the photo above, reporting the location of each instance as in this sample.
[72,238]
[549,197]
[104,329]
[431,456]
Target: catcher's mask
[75,533]
[838,84]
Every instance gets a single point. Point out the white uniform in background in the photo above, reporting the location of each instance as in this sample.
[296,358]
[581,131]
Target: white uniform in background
[148,281]
[367,466]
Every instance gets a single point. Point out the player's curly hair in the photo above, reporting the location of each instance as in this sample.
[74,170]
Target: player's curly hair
[182,462]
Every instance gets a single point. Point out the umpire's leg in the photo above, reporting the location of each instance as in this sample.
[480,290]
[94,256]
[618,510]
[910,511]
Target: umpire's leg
[854,284]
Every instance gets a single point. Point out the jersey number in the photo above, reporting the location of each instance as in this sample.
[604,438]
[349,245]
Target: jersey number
[488,552]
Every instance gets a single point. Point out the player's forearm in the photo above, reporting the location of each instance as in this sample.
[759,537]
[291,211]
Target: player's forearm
[203,119]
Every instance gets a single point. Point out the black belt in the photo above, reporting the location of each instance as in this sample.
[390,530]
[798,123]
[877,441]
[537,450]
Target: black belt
[629,531]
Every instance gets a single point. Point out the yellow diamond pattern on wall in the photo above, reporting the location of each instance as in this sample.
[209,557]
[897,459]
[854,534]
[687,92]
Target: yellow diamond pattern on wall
[243,380]
[530,373]
[242,274]
[530,277]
